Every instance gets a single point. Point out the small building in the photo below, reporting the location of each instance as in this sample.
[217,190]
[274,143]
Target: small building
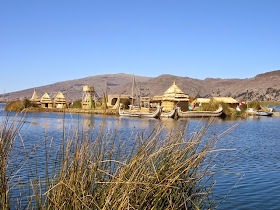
[46,101]
[156,101]
[175,97]
[201,101]
[60,101]
[35,98]
[225,100]
[145,102]
[112,99]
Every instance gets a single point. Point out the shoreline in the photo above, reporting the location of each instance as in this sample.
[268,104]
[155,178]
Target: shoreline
[74,110]
[94,111]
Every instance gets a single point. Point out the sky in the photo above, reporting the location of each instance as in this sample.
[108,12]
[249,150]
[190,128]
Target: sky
[47,41]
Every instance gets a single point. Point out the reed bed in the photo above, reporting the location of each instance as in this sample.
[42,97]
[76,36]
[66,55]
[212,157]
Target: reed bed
[156,170]
[9,131]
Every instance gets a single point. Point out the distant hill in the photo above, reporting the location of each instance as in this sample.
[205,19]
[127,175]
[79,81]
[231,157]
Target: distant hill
[261,87]
[72,89]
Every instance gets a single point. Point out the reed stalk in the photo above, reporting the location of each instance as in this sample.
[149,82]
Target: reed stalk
[105,170]
[9,131]
[158,170]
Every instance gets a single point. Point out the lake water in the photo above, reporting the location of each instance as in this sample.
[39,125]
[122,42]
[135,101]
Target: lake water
[253,178]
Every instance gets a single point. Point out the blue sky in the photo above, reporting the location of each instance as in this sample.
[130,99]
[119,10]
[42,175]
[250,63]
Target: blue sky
[42,42]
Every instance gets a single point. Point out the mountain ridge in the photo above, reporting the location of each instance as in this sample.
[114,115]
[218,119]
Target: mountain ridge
[264,86]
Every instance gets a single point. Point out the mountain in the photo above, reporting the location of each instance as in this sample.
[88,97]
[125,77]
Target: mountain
[72,89]
[263,87]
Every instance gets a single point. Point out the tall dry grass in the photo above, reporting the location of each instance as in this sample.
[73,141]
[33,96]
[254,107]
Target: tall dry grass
[9,131]
[156,170]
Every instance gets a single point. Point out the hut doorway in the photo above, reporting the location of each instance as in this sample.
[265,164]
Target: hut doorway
[46,105]
[114,101]
[184,105]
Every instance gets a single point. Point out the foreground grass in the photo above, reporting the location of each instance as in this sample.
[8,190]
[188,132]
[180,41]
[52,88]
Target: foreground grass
[9,130]
[157,170]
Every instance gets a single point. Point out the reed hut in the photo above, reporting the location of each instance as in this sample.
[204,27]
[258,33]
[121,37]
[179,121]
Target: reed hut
[231,102]
[113,99]
[35,98]
[201,101]
[60,101]
[46,101]
[156,101]
[175,97]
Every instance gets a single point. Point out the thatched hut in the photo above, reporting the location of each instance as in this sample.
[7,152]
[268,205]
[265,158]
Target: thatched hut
[113,99]
[201,101]
[173,97]
[46,101]
[231,102]
[156,101]
[60,101]
[35,98]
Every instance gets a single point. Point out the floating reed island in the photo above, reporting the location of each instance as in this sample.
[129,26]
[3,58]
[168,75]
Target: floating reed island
[173,103]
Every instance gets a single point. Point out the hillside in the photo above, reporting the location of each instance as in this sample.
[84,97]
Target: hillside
[261,87]
[72,89]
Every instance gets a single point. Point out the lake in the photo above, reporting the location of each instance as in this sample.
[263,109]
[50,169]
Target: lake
[251,178]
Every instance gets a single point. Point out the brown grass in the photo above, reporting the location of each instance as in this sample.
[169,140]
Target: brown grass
[9,131]
[157,170]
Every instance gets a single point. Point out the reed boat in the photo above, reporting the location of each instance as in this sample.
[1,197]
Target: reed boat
[170,114]
[262,113]
[136,113]
[189,114]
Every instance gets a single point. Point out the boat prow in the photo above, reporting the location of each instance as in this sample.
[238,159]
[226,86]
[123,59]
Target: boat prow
[170,114]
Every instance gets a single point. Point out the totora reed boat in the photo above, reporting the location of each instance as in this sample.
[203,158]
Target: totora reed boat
[263,113]
[189,114]
[139,113]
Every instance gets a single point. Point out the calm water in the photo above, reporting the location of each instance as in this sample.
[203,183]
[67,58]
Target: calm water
[253,176]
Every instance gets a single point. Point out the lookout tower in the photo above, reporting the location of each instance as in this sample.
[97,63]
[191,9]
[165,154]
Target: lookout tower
[89,97]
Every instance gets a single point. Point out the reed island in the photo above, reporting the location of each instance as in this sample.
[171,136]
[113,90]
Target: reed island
[174,103]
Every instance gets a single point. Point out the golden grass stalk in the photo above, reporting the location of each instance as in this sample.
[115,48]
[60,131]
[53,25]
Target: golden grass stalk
[155,171]
[9,130]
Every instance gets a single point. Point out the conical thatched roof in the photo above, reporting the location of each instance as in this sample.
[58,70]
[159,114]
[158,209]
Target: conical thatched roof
[35,97]
[60,98]
[46,98]
[173,89]
[174,93]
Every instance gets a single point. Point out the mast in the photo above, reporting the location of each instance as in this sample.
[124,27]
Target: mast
[132,90]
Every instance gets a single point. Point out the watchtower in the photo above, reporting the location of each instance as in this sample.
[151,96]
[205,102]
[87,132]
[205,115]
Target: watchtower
[89,97]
